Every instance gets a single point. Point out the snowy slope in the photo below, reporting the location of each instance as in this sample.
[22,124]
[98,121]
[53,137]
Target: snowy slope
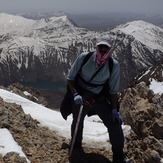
[94,131]
[53,30]
[43,43]
[15,25]
[95,134]
[138,47]
[16,31]
[154,78]
[148,34]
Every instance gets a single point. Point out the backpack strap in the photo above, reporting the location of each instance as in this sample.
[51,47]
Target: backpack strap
[111,64]
[89,83]
[90,54]
[86,59]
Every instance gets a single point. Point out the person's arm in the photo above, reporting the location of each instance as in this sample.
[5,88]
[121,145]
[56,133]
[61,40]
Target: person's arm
[114,88]
[74,71]
[77,98]
[114,82]
[71,78]
[72,86]
[114,101]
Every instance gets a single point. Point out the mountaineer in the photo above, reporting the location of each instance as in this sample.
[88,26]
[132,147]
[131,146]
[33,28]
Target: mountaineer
[93,82]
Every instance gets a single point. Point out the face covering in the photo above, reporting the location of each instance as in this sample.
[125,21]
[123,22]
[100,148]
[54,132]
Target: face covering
[101,58]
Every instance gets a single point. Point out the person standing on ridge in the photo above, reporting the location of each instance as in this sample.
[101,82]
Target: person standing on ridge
[93,85]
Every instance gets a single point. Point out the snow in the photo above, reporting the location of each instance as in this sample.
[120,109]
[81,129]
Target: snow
[95,133]
[12,23]
[144,32]
[161,160]
[8,144]
[27,93]
[157,87]
[20,35]
[144,74]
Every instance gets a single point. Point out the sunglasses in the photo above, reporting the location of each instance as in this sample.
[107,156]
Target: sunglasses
[103,46]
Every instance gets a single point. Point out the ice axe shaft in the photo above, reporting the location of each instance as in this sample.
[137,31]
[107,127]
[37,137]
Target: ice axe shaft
[76,130]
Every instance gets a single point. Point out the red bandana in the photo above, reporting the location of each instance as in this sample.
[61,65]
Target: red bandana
[101,58]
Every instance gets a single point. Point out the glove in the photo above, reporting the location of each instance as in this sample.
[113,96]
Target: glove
[116,116]
[78,99]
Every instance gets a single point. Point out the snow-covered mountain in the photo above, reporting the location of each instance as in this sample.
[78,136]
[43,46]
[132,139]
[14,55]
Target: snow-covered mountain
[144,32]
[139,47]
[32,50]
[58,30]
[14,25]
[153,78]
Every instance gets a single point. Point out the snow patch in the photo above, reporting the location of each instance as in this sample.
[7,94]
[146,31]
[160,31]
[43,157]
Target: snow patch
[8,144]
[157,87]
[94,132]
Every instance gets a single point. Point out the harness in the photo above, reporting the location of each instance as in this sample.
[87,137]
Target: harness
[87,94]
[87,57]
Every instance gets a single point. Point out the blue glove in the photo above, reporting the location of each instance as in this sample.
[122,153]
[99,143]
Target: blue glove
[78,99]
[116,116]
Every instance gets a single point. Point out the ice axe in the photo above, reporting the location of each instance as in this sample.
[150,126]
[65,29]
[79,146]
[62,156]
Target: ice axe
[76,130]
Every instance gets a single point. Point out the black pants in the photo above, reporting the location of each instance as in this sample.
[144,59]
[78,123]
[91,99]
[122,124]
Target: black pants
[103,110]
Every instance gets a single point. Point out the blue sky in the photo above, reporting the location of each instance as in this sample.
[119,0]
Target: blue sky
[83,6]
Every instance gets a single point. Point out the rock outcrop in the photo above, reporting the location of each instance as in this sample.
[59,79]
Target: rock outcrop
[143,111]
[39,144]
[139,107]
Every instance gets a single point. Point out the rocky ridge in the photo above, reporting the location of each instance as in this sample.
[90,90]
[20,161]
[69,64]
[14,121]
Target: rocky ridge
[140,108]
[143,111]
[39,144]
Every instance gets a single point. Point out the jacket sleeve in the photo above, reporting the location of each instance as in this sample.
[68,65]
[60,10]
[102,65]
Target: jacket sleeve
[75,67]
[114,80]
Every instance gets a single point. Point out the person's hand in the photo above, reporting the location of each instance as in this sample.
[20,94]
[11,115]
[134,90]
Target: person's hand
[78,99]
[116,116]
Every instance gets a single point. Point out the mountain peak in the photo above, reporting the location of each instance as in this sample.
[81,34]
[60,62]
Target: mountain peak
[145,32]
[13,23]
[133,26]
